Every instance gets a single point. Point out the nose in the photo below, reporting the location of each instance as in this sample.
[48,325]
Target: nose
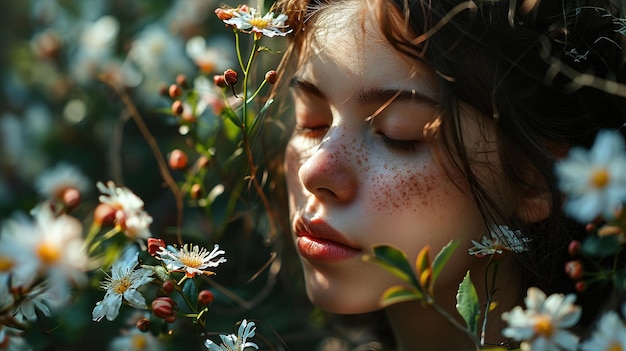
[329,173]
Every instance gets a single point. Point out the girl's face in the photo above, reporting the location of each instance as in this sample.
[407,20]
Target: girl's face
[355,183]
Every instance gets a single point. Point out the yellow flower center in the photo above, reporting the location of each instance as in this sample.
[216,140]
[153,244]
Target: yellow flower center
[48,253]
[544,326]
[139,342]
[600,178]
[6,263]
[121,285]
[190,260]
[259,23]
[615,346]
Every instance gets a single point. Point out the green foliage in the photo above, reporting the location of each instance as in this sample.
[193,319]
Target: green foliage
[467,303]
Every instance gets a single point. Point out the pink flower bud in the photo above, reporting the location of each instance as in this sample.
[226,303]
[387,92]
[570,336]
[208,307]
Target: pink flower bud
[168,287]
[163,307]
[181,80]
[219,81]
[177,108]
[230,77]
[573,248]
[71,197]
[205,297]
[574,269]
[271,76]
[143,324]
[581,286]
[104,214]
[174,91]
[155,245]
[177,159]
[224,14]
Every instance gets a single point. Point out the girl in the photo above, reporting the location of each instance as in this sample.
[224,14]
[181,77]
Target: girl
[418,122]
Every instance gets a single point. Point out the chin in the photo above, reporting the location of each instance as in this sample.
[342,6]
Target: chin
[341,295]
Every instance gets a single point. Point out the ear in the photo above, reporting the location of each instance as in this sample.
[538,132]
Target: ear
[535,201]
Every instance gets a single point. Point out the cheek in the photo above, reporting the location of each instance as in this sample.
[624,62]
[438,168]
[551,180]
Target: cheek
[418,186]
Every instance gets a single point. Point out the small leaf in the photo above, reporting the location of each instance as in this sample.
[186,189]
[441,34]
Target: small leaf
[442,258]
[423,260]
[397,294]
[467,303]
[396,262]
[600,246]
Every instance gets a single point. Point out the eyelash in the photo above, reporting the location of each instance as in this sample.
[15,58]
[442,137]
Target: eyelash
[400,145]
[317,133]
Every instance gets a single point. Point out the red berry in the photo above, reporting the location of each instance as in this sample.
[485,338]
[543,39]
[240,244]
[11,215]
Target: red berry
[143,324]
[230,77]
[573,248]
[174,91]
[177,159]
[574,269]
[205,297]
[177,107]
[168,287]
[271,76]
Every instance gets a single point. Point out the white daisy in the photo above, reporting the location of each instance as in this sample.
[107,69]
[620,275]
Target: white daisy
[192,261]
[267,25]
[136,340]
[52,183]
[122,285]
[610,334]
[54,248]
[500,239]
[41,299]
[541,326]
[234,342]
[130,216]
[594,180]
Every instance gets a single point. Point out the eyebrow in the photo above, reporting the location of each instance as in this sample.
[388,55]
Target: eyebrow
[369,95]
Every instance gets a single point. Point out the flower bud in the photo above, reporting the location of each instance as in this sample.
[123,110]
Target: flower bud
[104,214]
[168,287]
[573,248]
[224,14]
[205,297]
[177,108]
[230,77]
[181,80]
[143,324]
[174,91]
[71,197]
[195,191]
[163,307]
[271,76]
[574,269]
[581,286]
[219,81]
[177,159]
[155,245]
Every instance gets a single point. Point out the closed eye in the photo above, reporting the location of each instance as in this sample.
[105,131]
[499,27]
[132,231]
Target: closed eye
[399,145]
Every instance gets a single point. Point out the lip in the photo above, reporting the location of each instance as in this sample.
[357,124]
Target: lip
[317,240]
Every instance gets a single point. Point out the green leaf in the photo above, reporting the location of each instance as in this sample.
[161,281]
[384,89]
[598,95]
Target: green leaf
[467,303]
[600,246]
[190,290]
[396,262]
[397,294]
[442,258]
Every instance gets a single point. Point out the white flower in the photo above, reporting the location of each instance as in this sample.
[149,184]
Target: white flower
[122,285]
[266,25]
[234,342]
[540,327]
[594,180]
[53,247]
[610,334]
[11,339]
[130,216]
[192,262]
[53,182]
[500,239]
[41,299]
[208,58]
[135,340]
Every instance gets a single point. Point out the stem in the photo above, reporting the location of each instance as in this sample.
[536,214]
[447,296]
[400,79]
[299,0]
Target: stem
[160,159]
[490,293]
[430,301]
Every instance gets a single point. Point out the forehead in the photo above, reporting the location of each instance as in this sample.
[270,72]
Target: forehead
[346,39]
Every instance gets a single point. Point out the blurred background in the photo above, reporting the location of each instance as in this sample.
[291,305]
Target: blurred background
[57,111]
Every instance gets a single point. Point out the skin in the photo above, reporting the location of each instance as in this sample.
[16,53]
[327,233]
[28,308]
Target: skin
[342,169]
